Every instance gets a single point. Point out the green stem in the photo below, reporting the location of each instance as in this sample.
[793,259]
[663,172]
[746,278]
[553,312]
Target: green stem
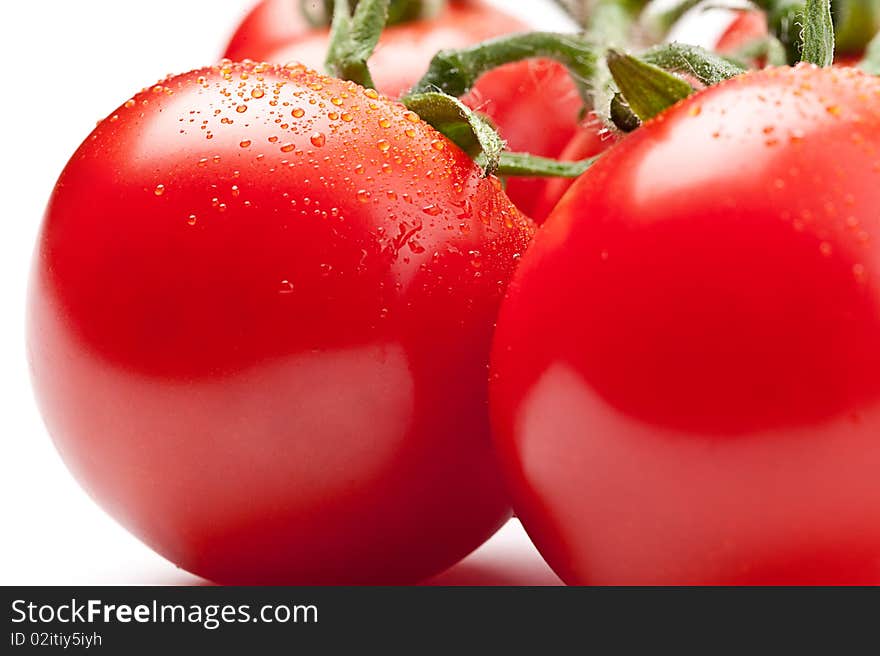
[353,39]
[320,13]
[525,164]
[817,38]
[455,72]
[706,66]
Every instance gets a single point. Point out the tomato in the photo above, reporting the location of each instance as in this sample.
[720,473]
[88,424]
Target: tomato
[591,139]
[404,51]
[536,107]
[686,373]
[269,25]
[511,95]
[259,326]
[746,27]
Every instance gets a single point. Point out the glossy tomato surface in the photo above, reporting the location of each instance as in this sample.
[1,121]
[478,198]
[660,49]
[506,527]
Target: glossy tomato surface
[686,372]
[404,50]
[259,326]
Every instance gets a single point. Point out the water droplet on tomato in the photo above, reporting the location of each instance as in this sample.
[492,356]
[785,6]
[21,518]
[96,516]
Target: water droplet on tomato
[318,139]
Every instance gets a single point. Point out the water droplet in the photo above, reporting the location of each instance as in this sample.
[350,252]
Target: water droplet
[364,196]
[245,143]
[438,144]
[384,145]
[412,117]
[298,113]
[235,191]
[432,210]
[159,190]
[241,109]
[346,117]
[286,148]
[191,220]
[286,287]
[257,93]
[337,101]
[384,123]
[371,93]
[696,110]
[318,139]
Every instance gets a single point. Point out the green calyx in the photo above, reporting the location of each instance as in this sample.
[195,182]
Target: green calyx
[649,85]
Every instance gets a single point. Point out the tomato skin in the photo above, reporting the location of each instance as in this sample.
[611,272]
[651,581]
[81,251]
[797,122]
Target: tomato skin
[746,27]
[404,51]
[262,347]
[267,26]
[685,375]
[591,139]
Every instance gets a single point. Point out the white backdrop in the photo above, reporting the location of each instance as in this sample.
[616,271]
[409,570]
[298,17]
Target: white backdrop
[66,64]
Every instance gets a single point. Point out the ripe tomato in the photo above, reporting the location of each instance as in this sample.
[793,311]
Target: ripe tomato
[686,372]
[512,95]
[536,107]
[269,25]
[590,140]
[404,51]
[259,327]
[746,27]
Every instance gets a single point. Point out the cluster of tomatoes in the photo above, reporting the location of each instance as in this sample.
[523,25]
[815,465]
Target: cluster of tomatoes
[287,332]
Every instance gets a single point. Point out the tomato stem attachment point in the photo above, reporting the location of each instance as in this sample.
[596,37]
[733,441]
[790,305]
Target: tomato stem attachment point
[648,89]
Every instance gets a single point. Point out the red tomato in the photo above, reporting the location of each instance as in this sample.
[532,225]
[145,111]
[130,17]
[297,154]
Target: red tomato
[404,51]
[259,326]
[591,139]
[269,25]
[745,28]
[536,107]
[512,95]
[686,372]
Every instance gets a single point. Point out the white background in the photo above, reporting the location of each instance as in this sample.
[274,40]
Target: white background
[67,63]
